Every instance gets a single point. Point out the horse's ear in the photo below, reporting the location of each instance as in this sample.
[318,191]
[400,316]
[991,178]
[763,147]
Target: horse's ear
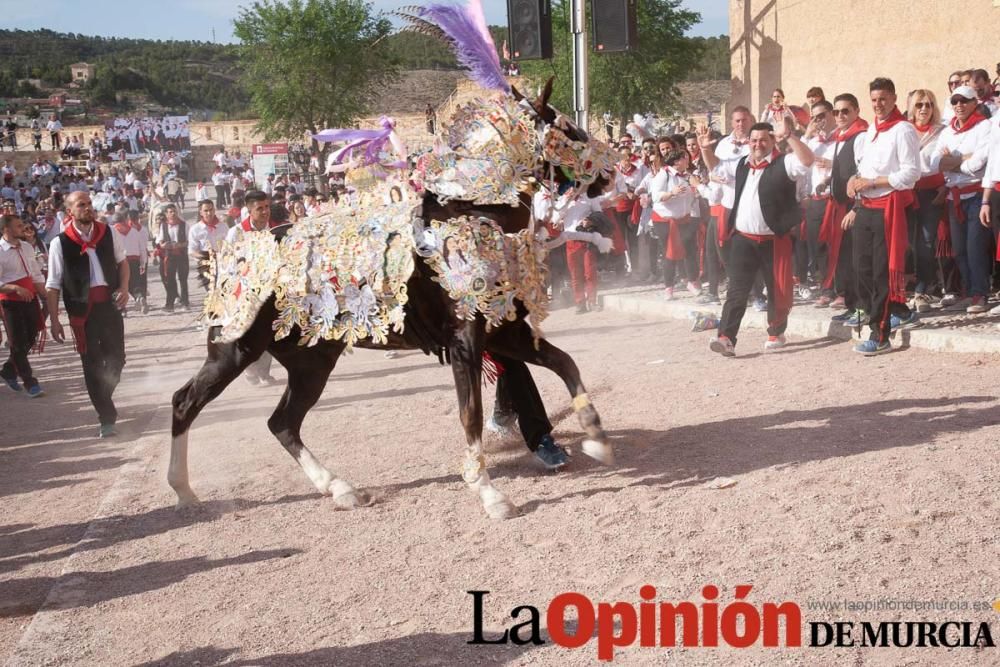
[516,93]
[543,99]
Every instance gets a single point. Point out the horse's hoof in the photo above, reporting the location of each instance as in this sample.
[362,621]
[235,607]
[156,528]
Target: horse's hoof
[186,499]
[599,451]
[502,509]
[346,497]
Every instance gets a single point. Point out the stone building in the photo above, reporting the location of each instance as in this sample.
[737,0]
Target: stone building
[842,45]
[81,73]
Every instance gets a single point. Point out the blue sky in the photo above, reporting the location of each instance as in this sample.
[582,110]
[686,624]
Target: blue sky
[195,19]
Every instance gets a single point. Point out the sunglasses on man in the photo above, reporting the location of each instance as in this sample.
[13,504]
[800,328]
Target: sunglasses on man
[841,112]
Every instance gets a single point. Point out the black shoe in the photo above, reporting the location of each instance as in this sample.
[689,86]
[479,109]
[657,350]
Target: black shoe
[550,454]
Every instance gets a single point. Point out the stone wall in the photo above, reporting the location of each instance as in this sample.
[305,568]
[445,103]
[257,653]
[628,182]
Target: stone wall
[842,46]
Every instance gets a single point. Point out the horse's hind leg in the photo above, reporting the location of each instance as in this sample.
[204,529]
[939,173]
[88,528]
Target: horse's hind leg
[515,340]
[308,371]
[224,364]
[466,365]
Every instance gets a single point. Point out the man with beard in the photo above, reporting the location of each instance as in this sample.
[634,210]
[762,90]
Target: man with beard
[87,266]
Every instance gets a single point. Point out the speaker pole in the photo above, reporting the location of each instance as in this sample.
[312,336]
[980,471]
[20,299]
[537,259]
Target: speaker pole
[581,85]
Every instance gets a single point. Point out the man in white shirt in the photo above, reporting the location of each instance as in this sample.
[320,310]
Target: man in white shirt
[888,155]
[54,127]
[765,211]
[21,282]
[87,267]
[821,138]
[135,240]
[205,237]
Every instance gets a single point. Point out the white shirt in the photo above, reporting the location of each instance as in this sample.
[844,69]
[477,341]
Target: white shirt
[136,243]
[729,151]
[53,125]
[678,206]
[623,182]
[203,238]
[169,233]
[96,273]
[975,143]
[894,154]
[569,213]
[927,152]
[992,175]
[218,179]
[11,267]
[817,174]
[750,216]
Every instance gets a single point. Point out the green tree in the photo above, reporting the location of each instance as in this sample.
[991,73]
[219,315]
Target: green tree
[630,82]
[313,64]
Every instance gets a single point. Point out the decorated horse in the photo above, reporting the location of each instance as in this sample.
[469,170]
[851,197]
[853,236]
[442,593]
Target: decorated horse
[460,275]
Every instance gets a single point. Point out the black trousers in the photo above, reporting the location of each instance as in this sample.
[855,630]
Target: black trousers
[136,279]
[220,197]
[818,252]
[871,264]
[748,262]
[923,223]
[104,358]
[20,319]
[175,278]
[715,267]
[517,394]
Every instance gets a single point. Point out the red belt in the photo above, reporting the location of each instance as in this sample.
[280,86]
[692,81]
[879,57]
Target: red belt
[135,257]
[819,197]
[956,197]
[757,238]
[24,282]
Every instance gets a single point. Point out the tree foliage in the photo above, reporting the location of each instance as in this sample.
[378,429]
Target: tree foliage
[313,64]
[626,83]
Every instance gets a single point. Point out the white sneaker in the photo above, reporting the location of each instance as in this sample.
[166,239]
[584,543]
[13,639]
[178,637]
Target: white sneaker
[995,310]
[775,343]
[949,300]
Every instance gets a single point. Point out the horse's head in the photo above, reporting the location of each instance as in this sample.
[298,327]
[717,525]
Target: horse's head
[569,153]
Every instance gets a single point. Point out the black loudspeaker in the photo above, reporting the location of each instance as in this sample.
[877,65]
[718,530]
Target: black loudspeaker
[616,25]
[530,26]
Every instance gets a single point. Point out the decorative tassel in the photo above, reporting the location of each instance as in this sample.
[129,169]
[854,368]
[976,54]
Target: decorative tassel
[492,369]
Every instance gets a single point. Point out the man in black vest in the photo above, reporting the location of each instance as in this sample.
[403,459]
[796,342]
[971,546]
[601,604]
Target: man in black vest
[87,265]
[173,243]
[765,211]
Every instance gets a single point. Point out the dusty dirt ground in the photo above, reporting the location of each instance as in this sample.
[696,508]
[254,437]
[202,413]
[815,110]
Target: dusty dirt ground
[855,479]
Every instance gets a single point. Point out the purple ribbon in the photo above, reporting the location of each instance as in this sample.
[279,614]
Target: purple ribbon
[373,141]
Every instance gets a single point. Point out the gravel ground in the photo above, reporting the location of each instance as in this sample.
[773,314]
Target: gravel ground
[845,479]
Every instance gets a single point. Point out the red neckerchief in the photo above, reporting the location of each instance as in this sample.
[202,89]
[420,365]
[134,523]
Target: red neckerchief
[923,129]
[627,171]
[826,138]
[764,164]
[894,118]
[739,142]
[857,127]
[211,224]
[975,119]
[247,225]
[96,234]
[775,110]
[123,229]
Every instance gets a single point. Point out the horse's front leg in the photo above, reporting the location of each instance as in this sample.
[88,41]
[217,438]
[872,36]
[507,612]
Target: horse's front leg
[466,364]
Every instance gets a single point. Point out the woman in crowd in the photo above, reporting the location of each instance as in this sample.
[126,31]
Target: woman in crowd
[673,198]
[927,233]
[776,110]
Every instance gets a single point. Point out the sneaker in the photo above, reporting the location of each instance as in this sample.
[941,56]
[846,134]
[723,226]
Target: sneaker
[843,317]
[723,346]
[805,293]
[168,309]
[949,300]
[922,303]
[13,383]
[581,309]
[693,287]
[977,306]
[550,454]
[760,305]
[823,302]
[898,323]
[871,348]
[107,431]
[839,303]
[502,425]
[995,310]
[668,293]
[775,343]
[711,299]
[858,319]
[35,390]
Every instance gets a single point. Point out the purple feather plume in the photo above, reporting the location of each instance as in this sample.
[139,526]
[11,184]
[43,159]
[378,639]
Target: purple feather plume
[465,27]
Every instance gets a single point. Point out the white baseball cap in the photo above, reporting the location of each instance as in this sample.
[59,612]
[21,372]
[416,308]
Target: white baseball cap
[964,91]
